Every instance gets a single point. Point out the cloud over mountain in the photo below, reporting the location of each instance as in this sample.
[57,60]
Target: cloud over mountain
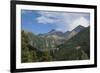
[63,21]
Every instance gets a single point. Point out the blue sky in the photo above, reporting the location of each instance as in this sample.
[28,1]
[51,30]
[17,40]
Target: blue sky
[44,21]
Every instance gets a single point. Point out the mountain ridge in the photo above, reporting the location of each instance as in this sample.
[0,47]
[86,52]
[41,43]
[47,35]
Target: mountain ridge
[67,34]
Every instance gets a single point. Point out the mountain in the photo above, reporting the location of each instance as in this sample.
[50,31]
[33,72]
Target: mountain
[76,48]
[66,33]
[56,45]
[71,34]
[61,34]
[52,38]
[53,32]
[78,28]
[74,32]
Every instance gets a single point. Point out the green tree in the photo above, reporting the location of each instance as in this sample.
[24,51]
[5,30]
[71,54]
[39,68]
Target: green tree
[28,54]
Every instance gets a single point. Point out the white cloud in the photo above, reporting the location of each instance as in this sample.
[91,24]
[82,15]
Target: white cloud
[63,20]
[80,21]
[45,20]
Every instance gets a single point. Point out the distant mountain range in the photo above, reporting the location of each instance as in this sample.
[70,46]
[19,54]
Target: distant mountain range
[66,35]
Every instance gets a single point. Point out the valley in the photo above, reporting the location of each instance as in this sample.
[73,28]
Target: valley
[56,45]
